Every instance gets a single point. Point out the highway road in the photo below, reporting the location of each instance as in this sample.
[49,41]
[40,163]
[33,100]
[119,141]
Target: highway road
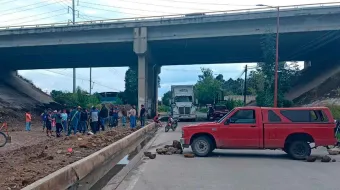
[230,170]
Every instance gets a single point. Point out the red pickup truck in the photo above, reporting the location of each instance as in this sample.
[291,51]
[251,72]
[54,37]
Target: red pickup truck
[290,129]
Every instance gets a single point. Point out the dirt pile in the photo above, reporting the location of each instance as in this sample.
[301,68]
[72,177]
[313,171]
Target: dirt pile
[23,166]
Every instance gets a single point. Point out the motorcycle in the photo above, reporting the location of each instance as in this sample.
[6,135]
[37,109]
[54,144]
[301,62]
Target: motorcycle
[171,125]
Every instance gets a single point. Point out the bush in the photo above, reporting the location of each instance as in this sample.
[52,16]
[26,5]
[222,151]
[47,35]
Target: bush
[203,109]
[163,108]
[335,109]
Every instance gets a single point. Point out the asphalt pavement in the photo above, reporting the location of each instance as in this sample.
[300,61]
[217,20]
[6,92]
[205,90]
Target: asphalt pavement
[230,170]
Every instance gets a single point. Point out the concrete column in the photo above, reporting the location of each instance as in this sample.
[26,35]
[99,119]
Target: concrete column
[307,64]
[158,71]
[142,80]
[153,89]
[140,47]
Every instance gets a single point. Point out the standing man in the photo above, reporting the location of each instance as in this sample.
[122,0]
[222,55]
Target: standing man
[74,120]
[49,124]
[142,116]
[43,119]
[64,121]
[124,115]
[132,113]
[111,115]
[58,121]
[28,121]
[94,119]
[83,119]
[115,116]
[103,115]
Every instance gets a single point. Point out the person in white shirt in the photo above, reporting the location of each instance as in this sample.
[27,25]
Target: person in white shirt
[132,114]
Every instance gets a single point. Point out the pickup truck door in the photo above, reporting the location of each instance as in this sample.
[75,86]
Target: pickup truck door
[241,130]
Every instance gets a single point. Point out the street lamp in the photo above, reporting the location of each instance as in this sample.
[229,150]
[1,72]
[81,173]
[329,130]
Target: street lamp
[277,49]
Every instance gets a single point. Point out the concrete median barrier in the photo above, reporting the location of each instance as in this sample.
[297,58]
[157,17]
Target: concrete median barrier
[70,174]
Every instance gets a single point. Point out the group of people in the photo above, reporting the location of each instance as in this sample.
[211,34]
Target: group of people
[78,119]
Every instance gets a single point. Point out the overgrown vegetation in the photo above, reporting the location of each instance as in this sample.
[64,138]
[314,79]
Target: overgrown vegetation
[163,108]
[80,98]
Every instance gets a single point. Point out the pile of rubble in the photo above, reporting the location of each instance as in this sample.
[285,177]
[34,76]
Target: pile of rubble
[23,166]
[333,151]
[175,148]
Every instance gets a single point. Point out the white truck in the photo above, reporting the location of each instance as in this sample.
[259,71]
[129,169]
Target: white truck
[182,102]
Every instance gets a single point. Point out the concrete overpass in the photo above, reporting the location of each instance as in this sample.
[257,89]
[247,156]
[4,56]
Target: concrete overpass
[306,33]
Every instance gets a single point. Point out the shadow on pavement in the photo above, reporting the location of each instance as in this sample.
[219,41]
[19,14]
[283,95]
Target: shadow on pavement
[282,156]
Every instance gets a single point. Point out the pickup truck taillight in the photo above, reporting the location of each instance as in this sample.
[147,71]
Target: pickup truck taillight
[182,133]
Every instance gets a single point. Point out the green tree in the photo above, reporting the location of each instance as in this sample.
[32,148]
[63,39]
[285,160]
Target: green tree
[131,86]
[130,94]
[207,87]
[80,98]
[265,74]
[166,97]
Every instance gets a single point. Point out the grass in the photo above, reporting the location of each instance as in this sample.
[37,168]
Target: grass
[335,109]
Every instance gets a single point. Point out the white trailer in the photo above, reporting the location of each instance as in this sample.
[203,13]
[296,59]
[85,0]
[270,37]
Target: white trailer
[183,102]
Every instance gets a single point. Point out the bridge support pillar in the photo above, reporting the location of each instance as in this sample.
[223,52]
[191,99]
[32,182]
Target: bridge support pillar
[140,47]
[307,64]
[153,89]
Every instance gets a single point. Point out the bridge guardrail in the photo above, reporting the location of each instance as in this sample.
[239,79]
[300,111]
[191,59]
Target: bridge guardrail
[141,19]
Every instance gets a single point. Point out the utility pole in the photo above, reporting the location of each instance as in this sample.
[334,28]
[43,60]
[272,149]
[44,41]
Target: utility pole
[245,86]
[73,22]
[90,80]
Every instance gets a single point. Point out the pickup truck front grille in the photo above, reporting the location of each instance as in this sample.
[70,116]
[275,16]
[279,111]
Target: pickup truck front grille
[184,110]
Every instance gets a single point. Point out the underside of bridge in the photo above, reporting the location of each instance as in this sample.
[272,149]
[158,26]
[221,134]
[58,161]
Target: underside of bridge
[317,47]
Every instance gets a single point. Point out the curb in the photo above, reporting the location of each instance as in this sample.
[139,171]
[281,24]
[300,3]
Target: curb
[120,176]
[70,174]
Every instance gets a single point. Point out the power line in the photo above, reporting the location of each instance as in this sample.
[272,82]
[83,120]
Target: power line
[41,18]
[142,3]
[111,11]
[204,3]
[8,2]
[83,80]
[28,9]
[33,15]
[96,4]
[23,6]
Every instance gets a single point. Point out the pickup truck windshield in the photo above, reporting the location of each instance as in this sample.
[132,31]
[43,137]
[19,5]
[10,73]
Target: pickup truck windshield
[183,99]
[226,115]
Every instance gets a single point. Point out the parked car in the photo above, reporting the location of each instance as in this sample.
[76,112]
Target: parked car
[294,130]
[216,112]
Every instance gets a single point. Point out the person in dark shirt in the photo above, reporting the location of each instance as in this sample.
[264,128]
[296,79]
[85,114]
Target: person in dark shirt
[142,116]
[115,116]
[83,120]
[103,115]
[49,124]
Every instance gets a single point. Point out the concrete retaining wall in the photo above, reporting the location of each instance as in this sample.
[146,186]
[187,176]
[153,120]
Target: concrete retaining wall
[67,176]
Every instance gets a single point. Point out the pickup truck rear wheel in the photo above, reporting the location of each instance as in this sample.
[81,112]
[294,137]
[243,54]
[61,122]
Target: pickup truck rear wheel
[202,146]
[299,150]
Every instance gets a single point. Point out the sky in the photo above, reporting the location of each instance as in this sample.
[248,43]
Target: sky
[32,12]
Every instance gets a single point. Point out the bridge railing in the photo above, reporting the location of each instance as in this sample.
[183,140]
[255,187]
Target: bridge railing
[177,16]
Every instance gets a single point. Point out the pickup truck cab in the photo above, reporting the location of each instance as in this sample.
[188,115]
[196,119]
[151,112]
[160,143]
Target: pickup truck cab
[290,129]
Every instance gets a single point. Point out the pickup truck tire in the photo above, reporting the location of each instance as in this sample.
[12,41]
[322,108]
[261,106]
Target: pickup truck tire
[202,146]
[299,150]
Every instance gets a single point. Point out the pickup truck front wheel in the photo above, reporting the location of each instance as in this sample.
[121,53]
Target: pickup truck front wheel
[202,146]
[299,150]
